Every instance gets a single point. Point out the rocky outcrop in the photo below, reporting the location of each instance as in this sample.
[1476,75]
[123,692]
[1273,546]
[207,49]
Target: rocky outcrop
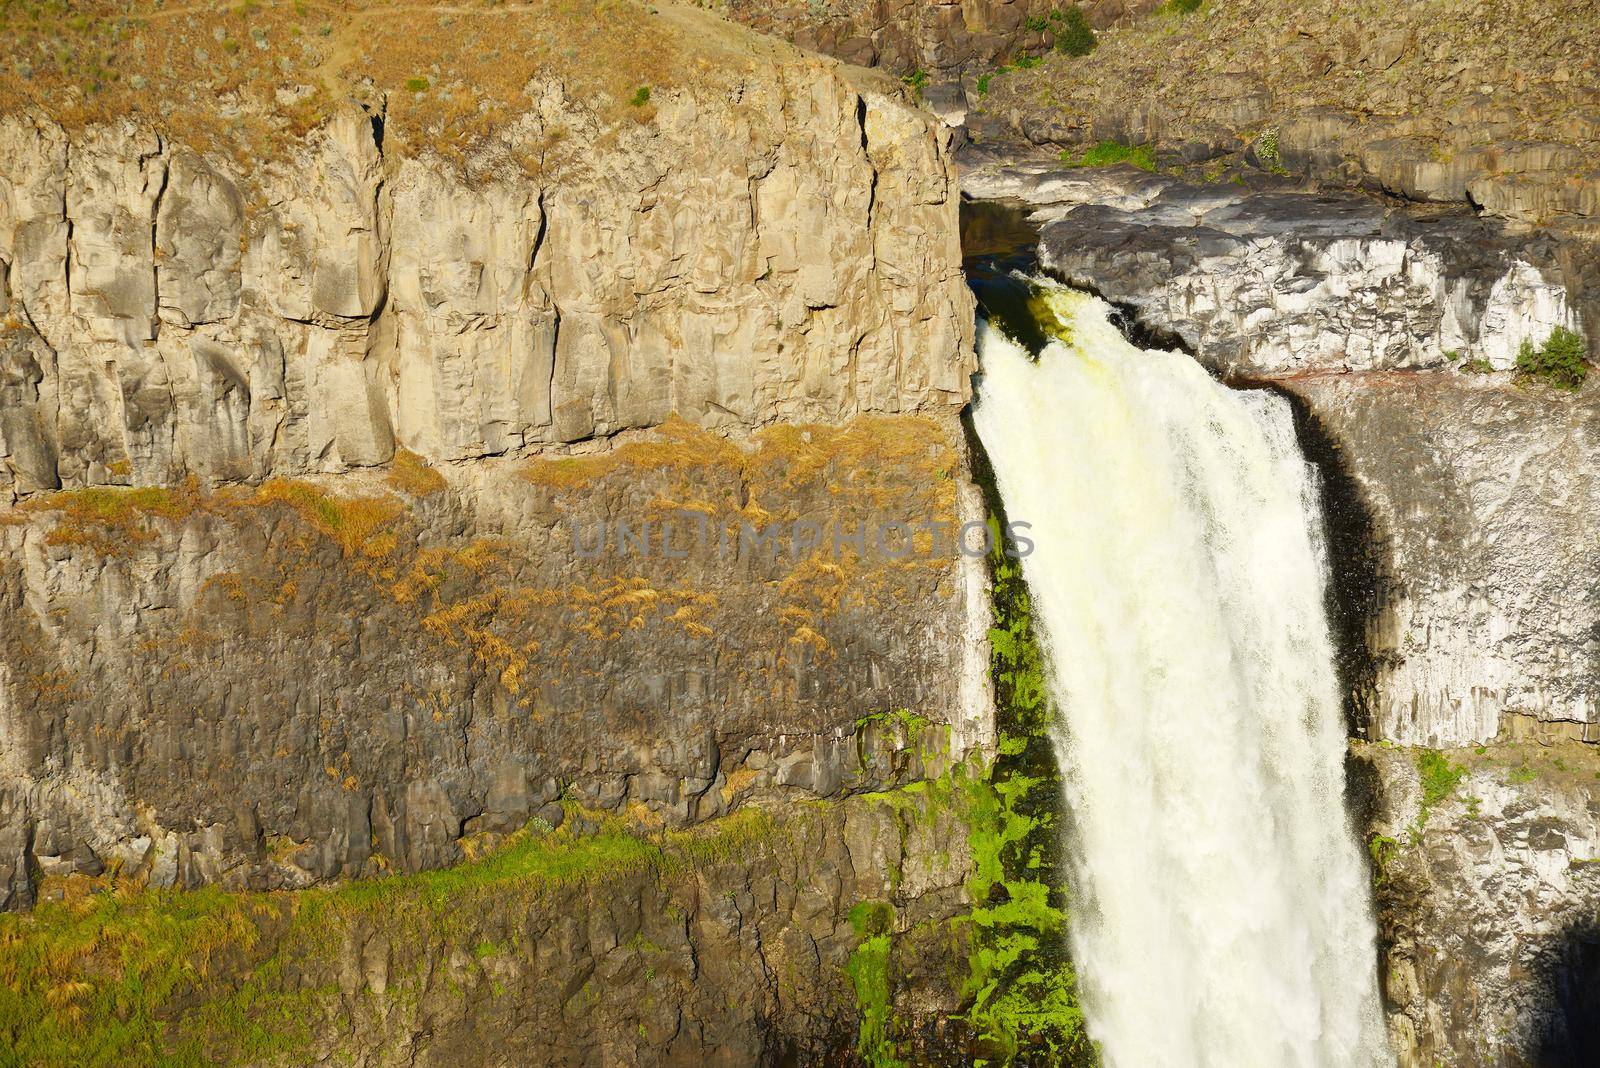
[944,40]
[1282,282]
[1495,103]
[1489,887]
[166,315]
[514,507]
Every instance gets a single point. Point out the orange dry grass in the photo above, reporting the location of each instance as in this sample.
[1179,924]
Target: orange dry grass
[411,474]
[676,445]
[453,74]
[112,520]
[361,525]
[872,456]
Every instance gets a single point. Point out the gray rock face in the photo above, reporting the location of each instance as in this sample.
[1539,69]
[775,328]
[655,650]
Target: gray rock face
[1479,503]
[166,316]
[303,682]
[1488,904]
[1270,283]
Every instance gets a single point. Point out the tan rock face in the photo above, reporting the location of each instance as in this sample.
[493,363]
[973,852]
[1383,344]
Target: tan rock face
[785,252]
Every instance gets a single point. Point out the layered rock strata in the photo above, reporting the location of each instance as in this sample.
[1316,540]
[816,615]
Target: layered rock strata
[276,686]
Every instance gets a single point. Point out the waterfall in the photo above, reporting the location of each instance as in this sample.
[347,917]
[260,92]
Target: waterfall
[1220,908]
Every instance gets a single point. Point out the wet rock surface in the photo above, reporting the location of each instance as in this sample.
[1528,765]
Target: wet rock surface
[1281,281]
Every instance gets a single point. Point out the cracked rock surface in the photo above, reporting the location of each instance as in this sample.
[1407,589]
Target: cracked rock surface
[167,316]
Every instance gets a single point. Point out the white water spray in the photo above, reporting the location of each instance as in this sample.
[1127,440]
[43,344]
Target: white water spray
[1221,914]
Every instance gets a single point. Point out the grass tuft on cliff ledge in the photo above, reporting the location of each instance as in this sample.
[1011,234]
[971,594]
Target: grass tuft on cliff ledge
[125,976]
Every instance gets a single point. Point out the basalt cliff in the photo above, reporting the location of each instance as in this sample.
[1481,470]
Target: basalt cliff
[493,569]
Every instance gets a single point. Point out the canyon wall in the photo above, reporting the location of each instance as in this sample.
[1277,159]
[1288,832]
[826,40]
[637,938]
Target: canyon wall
[479,510]
[225,675]
[790,257]
[274,686]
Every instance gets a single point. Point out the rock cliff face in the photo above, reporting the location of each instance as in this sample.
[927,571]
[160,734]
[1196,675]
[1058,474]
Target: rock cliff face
[1489,891]
[561,488]
[1478,500]
[165,315]
[277,686]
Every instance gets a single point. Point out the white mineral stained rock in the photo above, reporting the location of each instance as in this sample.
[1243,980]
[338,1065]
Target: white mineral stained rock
[1271,283]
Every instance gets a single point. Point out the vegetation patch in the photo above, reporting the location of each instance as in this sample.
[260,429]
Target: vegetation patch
[410,474]
[1020,982]
[868,971]
[1383,851]
[1111,153]
[203,977]
[286,67]
[1559,362]
[908,724]
[361,525]
[113,520]
[1072,32]
[1440,777]
[1019,989]
[675,444]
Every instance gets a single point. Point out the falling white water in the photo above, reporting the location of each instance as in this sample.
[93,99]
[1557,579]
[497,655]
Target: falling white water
[1221,912]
